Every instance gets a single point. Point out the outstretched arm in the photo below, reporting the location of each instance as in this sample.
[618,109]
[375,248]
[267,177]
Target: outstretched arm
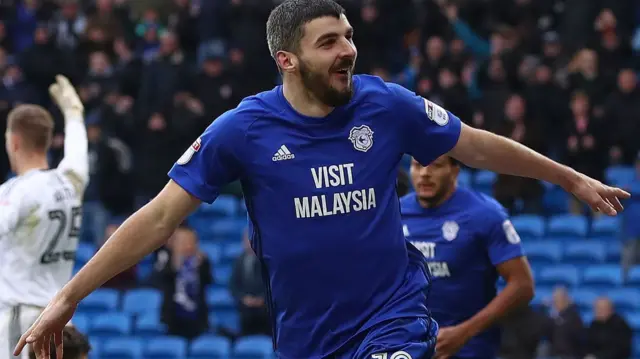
[482,149]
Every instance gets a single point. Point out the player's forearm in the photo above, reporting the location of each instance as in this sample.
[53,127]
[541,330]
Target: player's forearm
[485,150]
[514,295]
[138,236]
[76,146]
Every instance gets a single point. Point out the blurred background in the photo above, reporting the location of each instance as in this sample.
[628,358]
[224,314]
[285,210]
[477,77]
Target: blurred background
[557,75]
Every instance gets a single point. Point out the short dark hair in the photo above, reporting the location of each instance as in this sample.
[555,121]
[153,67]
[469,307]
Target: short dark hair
[285,26]
[33,123]
[75,345]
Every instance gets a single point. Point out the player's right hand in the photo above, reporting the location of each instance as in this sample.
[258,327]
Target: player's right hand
[49,325]
[66,97]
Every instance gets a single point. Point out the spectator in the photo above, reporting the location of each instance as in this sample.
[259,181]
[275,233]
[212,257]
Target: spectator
[248,288]
[566,331]
[522,333]
[185,277]
[609,336]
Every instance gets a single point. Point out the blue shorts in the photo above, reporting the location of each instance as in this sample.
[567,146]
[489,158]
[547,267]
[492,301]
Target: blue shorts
[404,338]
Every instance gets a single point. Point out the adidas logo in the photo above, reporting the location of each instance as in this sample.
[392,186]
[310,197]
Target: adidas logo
[283,154]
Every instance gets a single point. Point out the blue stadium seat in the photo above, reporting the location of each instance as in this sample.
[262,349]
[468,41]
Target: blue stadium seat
[566,225]
[605,226]
[584,298]
[102,300]
[625,299]
[84,252]
[585,252]
[138,301]
[529,226]
[212,250]
[228,319]
[222,275]
[232,251]
[634,322]
[562,274]
[224,205]
[619,175]
[220,298]
[166,347]
[543,252]
[228,228]
[210,347]
[602,276]
[122,348]
[465,179]
[110,325]
[81,322]
[96,348]
[253,347]
[630,222]
[633,276]
[149,325]
[555,201]
[143,271]
[483,181]
[613,250]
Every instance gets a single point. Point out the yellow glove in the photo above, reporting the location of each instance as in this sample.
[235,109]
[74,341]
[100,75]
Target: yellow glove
[67,98]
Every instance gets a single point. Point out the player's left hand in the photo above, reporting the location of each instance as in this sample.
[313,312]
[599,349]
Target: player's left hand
[66,97]
[598,196]
[450,341]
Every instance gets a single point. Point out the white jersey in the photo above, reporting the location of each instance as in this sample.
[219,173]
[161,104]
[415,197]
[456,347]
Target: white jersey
[40,216]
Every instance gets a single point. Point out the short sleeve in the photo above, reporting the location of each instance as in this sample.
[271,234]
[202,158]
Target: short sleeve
[502,240]
[212,161]
[429,131]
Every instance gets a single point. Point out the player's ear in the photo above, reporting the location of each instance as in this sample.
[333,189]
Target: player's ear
[287,61]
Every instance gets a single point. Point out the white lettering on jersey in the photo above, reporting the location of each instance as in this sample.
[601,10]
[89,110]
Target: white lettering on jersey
[510,232]
[428,249]
[334,203]
[436,113]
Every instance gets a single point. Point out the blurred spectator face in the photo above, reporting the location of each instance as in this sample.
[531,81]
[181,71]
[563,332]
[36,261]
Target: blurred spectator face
[498,43]
[580,105]
[552,49]
[325,62]
[236,56]
[447,79]
[606,21]
[588,61]
[110,230]
[435,48]
[468,72]
[602,309]
[496,70]
[150,16]
[433,182]
[93,133]
[98,63]
[560,299]
[543,74]
[185,242]
[369,13]
[168,43]
[456,47]
[627,80]
[41,35]
[70,10]
[104,6]
[213,67]
[96,35]
[515,108]
[12,74]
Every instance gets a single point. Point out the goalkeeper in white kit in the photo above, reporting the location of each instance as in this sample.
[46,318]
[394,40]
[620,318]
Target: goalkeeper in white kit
[40,211]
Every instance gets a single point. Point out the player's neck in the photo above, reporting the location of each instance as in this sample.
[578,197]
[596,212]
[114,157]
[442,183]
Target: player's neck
[303,101]
[35,162]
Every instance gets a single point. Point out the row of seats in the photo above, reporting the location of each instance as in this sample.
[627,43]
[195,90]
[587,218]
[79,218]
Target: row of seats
[171,347]
[579,253]
[566,225]
[597,276]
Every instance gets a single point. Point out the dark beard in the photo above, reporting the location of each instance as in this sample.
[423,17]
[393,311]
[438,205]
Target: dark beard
[317,85]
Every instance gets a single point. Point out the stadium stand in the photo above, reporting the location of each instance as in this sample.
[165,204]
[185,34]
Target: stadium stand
[153,74]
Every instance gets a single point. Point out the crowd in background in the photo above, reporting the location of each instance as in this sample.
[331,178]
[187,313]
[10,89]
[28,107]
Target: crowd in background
[557,75]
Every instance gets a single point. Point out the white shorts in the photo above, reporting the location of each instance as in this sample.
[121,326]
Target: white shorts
[13,323]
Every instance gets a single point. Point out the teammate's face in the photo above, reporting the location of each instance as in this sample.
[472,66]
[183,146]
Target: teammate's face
[327,59]
[433,182]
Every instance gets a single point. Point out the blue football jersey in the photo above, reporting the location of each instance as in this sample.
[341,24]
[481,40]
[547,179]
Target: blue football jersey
[463,240]
[324,216]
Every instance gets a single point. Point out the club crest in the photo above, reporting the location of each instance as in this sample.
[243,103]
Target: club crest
[450,230]
[361,137]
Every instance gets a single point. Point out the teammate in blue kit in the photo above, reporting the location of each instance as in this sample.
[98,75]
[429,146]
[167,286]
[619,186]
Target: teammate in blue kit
[467,240]
[317,158]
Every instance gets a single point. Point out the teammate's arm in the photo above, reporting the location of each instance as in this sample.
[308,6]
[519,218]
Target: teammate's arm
[481,149]
[75,163]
